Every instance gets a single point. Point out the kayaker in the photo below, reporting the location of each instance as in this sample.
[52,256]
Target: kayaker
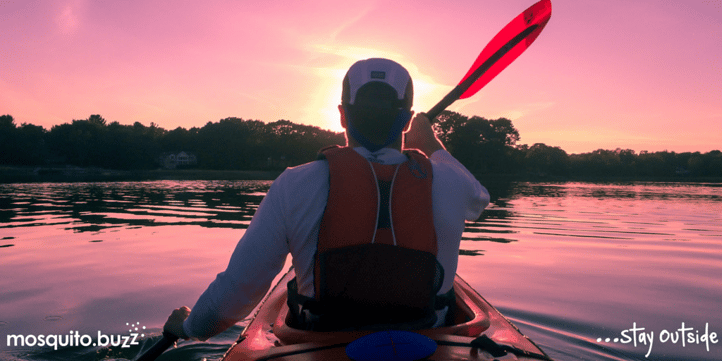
[373,232]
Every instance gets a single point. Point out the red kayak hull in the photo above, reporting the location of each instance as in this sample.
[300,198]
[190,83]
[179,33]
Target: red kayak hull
[268,337]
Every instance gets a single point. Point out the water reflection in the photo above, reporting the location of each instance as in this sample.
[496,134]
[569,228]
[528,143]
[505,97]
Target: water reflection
[92,207]
[465,252]
[583,261]
[629,190]
[568,262]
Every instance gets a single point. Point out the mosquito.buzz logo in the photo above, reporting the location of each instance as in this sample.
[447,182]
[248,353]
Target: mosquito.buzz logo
[74,338]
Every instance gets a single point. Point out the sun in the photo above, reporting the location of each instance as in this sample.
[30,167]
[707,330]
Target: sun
[321,108]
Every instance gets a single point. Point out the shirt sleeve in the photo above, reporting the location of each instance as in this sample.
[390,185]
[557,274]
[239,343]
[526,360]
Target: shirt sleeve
[466,188]
[458,197]
[258,257]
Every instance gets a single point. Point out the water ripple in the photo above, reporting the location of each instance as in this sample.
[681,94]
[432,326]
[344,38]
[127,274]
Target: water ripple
[90,207]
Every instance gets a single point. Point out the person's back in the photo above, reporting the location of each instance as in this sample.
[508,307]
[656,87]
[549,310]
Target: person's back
[375,263]
[374,233]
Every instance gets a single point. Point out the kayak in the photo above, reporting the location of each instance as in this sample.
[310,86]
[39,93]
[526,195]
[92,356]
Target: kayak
[479,332]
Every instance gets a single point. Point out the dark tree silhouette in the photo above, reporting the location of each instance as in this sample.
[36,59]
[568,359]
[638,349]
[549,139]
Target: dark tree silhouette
[8,140]
[482,145]
[543,159]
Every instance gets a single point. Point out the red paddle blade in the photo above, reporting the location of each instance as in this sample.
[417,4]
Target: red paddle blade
[535,16]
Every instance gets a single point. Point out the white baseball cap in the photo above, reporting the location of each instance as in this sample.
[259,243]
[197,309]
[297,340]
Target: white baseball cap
[378,70]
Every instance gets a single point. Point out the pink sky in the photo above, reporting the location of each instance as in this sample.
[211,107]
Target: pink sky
[642,74]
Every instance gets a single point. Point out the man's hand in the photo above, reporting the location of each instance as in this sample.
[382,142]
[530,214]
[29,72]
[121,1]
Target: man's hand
[174,324]
[421,136]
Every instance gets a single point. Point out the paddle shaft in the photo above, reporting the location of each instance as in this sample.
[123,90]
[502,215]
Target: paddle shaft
[455,93]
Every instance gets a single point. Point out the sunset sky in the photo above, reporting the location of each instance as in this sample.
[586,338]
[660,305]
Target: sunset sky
[637,74]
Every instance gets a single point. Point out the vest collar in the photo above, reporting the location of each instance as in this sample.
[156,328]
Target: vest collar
[382,156]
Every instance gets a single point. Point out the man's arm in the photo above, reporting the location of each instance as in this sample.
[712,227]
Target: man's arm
[256,260]
[421,136]
[467,190]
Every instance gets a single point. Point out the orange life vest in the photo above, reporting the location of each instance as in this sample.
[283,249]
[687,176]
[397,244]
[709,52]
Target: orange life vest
[376,265]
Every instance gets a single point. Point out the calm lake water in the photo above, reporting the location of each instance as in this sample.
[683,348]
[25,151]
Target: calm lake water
[575,266]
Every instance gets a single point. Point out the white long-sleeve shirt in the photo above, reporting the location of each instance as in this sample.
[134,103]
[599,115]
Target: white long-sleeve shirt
[288,220]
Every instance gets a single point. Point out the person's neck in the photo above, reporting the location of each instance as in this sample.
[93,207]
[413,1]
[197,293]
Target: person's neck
[350,142]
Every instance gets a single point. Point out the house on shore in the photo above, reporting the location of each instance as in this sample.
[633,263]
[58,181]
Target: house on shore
[172,160]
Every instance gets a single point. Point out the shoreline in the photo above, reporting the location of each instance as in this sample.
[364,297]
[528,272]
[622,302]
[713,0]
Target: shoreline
[508,178]
[72,174]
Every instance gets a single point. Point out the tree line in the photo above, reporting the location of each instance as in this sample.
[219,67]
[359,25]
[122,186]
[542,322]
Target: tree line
[489,146]
[485,146]
[230,143]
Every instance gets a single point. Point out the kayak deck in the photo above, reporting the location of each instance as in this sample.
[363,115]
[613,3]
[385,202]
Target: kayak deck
[478,332]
